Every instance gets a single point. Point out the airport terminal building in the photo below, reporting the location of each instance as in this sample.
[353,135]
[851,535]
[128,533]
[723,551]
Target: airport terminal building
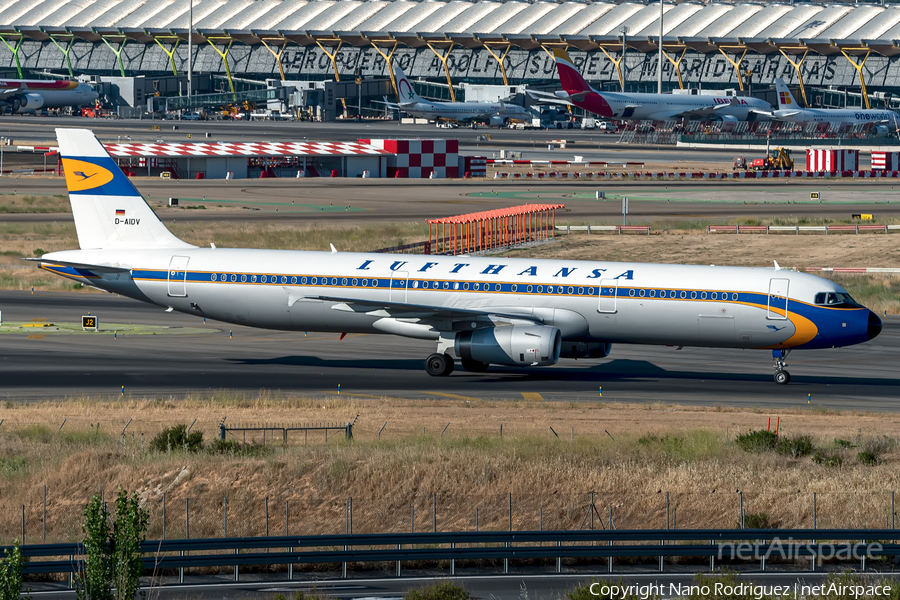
[813,45]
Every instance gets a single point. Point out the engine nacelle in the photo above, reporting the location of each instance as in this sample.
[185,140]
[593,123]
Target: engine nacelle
[497,121]
[585,349]
[881,131]
[515,345]
[28,102]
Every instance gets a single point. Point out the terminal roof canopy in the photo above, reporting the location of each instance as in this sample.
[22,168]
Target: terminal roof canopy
[756,26]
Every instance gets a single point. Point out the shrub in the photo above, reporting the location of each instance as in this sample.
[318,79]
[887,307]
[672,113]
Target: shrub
[795,447]
[867,457]
[757,521]
[235,448]
[839,443]
[828,459]
[177,438]
[113,566]
[11,574]
[757,441]
[439,591]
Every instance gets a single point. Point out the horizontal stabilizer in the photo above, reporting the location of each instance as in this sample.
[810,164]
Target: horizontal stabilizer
[76,265]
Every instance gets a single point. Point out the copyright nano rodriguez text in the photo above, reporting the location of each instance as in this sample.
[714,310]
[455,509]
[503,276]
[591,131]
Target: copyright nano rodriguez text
[759,592]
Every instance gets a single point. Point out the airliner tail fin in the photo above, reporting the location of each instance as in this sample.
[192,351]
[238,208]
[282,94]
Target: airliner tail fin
[785,97]
[569,75]
[108,210]
[405,90]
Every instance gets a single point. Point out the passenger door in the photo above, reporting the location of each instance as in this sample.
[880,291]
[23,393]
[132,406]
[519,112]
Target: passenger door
[778,299]
[178,276]
[399,283]
[609,289]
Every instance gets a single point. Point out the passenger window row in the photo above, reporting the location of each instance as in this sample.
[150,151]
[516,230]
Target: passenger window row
[477,286]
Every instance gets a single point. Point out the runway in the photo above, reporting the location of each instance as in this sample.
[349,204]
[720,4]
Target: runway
[357,200]
[861,377]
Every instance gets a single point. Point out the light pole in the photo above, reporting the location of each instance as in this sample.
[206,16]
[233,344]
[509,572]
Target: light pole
[660,61]
[2,143]
[190,48]
[624,30]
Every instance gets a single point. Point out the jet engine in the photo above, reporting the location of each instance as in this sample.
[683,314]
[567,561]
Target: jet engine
[881,131]
[514,345]
[27,102]
[585,349]
[497,121]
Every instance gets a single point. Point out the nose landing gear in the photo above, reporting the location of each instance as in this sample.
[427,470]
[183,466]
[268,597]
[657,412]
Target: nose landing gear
[782,377]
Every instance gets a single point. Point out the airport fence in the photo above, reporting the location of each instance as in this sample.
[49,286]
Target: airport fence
[599,550]
[241,508]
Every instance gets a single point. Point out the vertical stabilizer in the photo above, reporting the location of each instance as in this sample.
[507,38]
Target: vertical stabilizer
[109,212]
[569,75]
[405,90]
[785,97]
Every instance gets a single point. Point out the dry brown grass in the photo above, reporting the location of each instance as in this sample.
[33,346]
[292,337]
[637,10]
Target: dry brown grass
[28,203]
[649,450]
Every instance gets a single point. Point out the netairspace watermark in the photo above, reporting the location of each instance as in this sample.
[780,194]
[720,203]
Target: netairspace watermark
[789,550]
[676,590]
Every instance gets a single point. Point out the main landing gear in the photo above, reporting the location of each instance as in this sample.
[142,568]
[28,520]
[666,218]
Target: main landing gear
[782,377]
[439,364]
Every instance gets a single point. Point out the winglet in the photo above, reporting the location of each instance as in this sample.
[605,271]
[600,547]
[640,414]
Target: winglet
[777,268]
[333,249]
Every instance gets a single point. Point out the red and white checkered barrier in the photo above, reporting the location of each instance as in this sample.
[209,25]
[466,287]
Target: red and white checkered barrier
[886,161]
[417,159]
[832,161]
[248,149]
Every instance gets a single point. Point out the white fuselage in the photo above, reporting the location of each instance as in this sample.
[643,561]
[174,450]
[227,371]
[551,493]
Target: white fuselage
[659,107]
[586,300]
[462,111]
[838,115]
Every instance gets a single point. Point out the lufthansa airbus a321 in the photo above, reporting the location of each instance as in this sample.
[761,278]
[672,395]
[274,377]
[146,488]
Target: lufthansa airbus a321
[485,311]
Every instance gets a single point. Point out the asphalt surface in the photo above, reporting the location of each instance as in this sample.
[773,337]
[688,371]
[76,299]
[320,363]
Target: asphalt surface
[493,587]
[861,377]
[357,200]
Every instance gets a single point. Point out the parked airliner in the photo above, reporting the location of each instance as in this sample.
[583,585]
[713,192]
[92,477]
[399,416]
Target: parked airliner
[885,121]
[497,113]
[485,310]
[29,95]
[655,107]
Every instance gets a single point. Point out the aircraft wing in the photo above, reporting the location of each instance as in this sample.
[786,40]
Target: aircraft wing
[74,265]
[11,92]
[548,98]
[424,312]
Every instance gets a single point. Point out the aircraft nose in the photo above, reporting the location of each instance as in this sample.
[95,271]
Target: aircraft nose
[875,325]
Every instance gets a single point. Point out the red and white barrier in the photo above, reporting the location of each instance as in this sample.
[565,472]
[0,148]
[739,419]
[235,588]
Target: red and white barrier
[886,161]
[832,161]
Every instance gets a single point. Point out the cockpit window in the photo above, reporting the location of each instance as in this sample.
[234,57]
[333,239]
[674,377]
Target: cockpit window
[836,300]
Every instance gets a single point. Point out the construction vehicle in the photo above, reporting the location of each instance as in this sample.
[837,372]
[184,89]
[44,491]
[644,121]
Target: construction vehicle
[778,160]
[239,110]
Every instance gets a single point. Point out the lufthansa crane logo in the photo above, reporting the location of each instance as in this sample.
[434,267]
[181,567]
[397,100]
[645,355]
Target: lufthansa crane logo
[82,175]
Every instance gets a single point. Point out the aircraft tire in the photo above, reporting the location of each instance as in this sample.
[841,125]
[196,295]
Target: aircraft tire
[438,364]
[474,366]
[782,377]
